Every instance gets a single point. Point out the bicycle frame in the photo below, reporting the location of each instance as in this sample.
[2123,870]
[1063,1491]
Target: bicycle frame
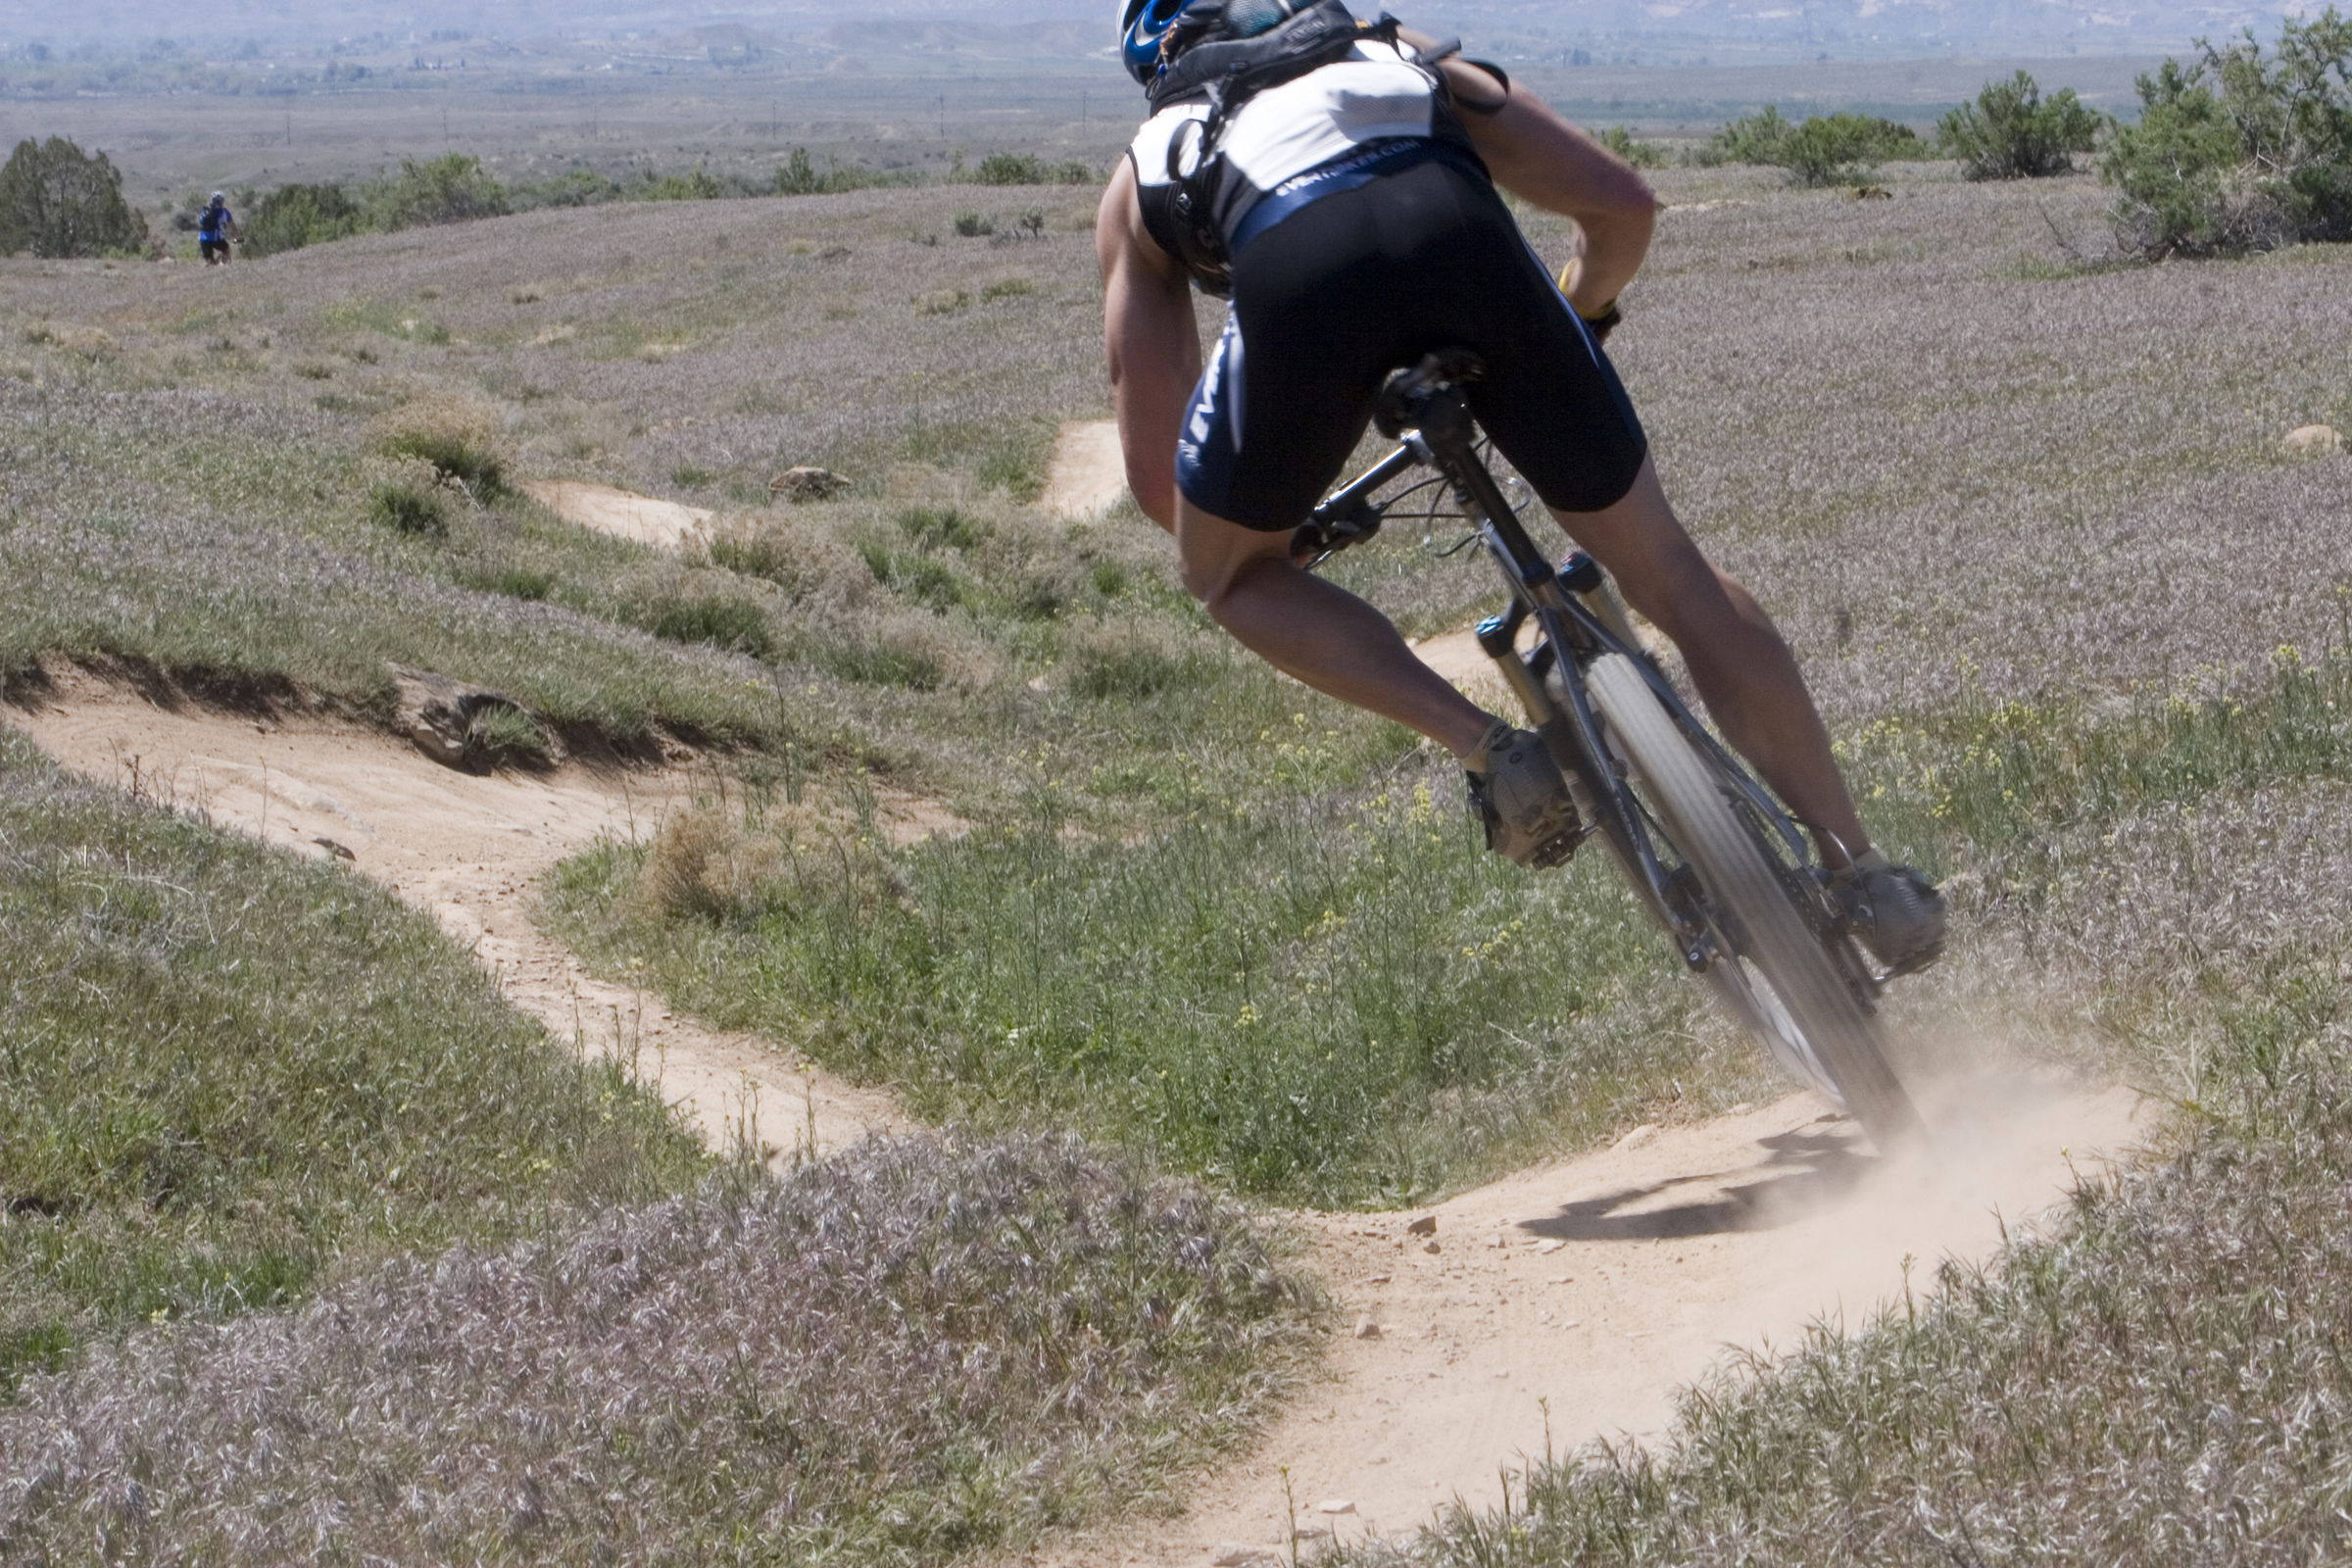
[1578,619]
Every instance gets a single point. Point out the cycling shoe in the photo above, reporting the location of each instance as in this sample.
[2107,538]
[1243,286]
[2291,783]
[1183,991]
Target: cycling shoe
[1530,818]
[1896,913]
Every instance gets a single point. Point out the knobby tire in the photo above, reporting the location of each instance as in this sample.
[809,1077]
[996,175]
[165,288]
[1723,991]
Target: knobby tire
[1690,798]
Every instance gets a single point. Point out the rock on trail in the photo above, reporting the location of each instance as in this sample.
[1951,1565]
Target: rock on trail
[470,850]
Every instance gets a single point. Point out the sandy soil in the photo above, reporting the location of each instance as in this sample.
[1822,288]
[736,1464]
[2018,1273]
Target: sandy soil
[1574,1299]
[1088,474]
[470,850]
[623,514]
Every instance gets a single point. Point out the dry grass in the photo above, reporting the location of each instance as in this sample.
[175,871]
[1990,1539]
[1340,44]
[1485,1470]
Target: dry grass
[227,1074]
[910,1352]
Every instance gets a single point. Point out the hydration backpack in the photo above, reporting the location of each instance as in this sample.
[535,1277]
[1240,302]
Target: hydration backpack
[1208,58]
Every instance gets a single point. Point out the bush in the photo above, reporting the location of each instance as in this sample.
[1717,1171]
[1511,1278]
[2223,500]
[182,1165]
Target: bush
[2012,132]
[408,509]
[1640,154]
[691,606]
[1010,168]
[708,866]
[458,435]
[56,200]
[700,186]
[294,215]
[2238,152]
[798,176]
[453,188]
[972,225]
[1827,150]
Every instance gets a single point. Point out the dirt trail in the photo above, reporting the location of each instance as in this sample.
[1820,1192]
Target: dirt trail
[1575,1297]
[470,850]
[1594,1287]
[1088,473]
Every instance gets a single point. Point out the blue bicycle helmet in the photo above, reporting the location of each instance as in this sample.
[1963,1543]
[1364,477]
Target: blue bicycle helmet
[1143,23]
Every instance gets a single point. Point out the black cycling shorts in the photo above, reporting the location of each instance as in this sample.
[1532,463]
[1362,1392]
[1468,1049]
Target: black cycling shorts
[1361,282]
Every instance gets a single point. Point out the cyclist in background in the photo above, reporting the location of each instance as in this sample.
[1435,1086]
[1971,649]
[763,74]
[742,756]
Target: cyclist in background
[215,228]
[1338,181]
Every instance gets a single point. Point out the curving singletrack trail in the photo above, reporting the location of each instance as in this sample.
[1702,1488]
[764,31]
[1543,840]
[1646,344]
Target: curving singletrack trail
[1570,1301]
[470,850]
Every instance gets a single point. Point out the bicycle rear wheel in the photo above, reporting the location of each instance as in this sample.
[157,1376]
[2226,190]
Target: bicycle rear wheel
[1770,968]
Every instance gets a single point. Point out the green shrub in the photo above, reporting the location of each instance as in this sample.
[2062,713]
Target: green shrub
[458,435]
[973,226]
[798,176]
[926,579]
[1126,664]
[700,186]
[56,200]
[294,215]
[881,663]
[2238,151]
[730,620]
[453,188]
[2012,132]
[1827,150]
[1640,154]
[500,735]
[1010,168]
[941,527]
[408,509]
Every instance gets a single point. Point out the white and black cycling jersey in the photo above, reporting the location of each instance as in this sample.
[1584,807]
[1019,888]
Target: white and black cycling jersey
[1327,131]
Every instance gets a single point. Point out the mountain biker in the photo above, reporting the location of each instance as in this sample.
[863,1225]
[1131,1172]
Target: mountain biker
[215,227]
[1342,189]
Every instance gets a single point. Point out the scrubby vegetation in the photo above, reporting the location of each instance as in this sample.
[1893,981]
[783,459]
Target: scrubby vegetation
[2012,132]
[2240,150]
[57,200]
[457,188]
[1837,149]
[909,1354]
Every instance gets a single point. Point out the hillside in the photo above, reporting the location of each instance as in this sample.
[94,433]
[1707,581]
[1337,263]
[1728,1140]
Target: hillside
[958,798]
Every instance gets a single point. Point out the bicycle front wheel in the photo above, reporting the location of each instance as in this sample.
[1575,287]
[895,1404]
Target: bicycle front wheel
[1770,967]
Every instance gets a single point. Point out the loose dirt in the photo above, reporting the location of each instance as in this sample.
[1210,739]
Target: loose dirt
[1569,1302]
[470,850]
[623,514]
[1088,473]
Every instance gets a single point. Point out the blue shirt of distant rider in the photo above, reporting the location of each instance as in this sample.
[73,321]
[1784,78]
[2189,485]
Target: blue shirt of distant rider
[215,227]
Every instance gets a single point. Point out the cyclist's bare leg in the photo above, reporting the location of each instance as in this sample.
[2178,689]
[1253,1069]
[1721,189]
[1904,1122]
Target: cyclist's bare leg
[1317,631]
[1744,670]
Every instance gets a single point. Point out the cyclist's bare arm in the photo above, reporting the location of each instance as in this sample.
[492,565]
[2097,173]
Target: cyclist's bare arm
[1152,342]
[1540,158]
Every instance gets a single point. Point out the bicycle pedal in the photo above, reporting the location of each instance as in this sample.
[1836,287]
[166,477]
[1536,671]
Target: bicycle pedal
[1559,851]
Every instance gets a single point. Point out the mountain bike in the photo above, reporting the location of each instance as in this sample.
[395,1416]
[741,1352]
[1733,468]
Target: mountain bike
[1709,851]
